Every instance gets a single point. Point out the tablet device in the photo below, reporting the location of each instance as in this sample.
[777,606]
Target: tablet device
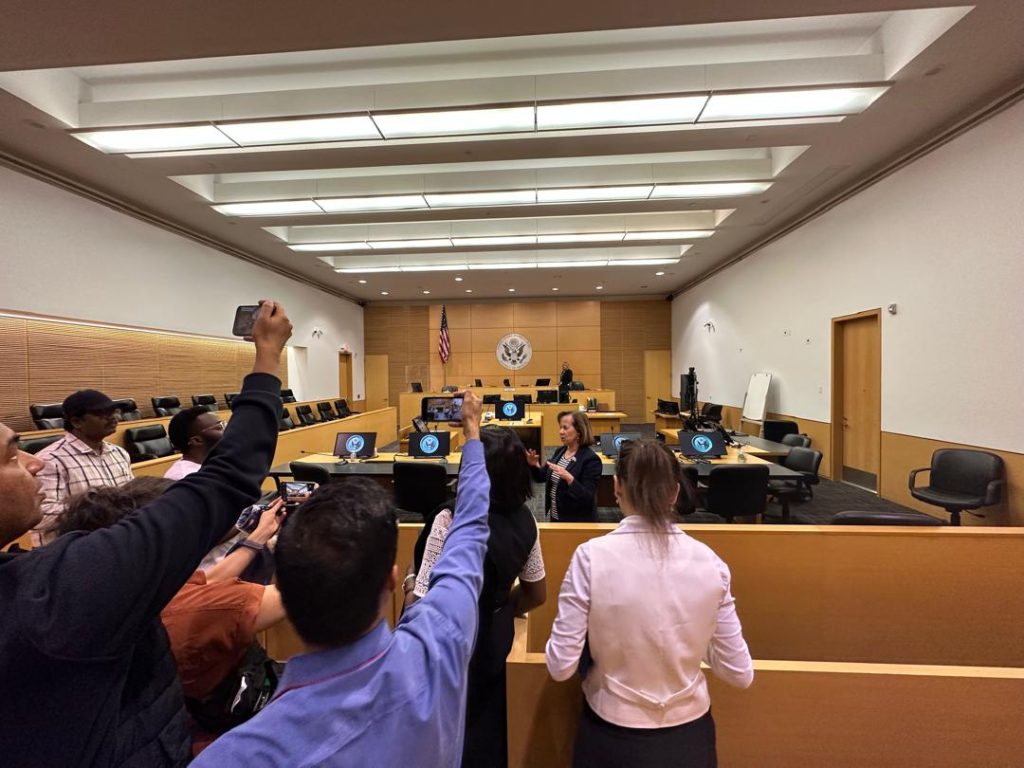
[362,444]
[430,445]
[510,410]
[701,445]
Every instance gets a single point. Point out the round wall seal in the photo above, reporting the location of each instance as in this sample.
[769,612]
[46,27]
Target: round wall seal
[514,351]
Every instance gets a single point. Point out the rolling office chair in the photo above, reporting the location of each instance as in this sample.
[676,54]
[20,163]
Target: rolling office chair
[688,501]
[286,422]
[853,517]
[803,460]
[127,410]
[775,430]
[798,441]
[309,473]
[209,401]
[343,409]
[166,405]
[737,490]
[326,412]
[148,442]
[420,487]
[961,480]
[711,412]
[305,416]
[34,445]
[229,398]
[506,382]
[287,396]
[478,383]
[547,395]
[47,415]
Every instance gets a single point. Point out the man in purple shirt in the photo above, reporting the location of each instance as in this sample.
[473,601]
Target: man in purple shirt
[362,694]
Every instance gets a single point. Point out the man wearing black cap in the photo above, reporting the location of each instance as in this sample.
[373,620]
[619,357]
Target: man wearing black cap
[81,459]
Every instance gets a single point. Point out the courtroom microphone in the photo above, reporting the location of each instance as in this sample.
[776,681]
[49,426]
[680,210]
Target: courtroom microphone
[319,453]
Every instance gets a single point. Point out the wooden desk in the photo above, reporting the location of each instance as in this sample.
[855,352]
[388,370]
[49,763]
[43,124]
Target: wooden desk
[667,421]
[530,429]
[764,449]
[409,402]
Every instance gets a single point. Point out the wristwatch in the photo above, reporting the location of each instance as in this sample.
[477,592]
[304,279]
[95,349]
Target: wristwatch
[405,582]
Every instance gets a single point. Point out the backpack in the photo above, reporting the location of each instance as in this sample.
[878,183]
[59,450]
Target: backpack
[240,695]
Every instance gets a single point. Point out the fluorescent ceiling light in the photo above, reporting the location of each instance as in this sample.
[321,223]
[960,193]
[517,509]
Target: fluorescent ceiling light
[584,194]
[640,262]
[513,265]
[383,203]
[156,139]
[316,247]
[465,199]
[720,189]
[495,240]
[299,131]
[455,122]
[598,114]
[817,102]
[439,242]
[582,237]
[268,208]
[434,268]
[563,264]
[359,270]
[680,234]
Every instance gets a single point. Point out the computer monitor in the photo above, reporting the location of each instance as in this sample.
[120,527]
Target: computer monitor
[701,445]
[510,410]
[362,444]
[547,395]
[543,382]
[478,382]
[611,442]
[416,386]
[668,407]
[523,398]
[430,445]
[491,399]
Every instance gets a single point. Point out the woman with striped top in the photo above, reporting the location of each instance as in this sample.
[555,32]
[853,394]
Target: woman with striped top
[572,475]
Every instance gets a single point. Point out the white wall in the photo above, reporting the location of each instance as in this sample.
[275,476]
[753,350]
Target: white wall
[66,256]
[943,239]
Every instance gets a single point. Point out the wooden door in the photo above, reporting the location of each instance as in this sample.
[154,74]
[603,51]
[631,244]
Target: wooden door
[345,375]
[657,380]
[857,398]
[376,369]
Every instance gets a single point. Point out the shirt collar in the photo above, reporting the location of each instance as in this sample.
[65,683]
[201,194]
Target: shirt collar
[83,447]
[311,668]
[637,524]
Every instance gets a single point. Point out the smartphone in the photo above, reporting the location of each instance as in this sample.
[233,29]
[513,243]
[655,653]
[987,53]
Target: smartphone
[294,491]
[245,319]
[441,408]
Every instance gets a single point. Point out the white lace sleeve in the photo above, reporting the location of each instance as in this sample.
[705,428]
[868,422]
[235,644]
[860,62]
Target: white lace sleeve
[432,551]
[534,568]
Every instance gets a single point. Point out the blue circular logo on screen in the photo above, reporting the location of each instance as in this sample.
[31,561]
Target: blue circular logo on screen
[619,441]
[429,444]
[354,444]
[509,409]
[702,443]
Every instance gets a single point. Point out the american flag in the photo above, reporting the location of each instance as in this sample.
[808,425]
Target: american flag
[444,343]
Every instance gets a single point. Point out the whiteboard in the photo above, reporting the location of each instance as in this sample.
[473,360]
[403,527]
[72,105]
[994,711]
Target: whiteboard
[756,399]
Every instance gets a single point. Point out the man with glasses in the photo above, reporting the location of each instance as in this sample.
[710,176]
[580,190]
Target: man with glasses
[193,432]
[82,459]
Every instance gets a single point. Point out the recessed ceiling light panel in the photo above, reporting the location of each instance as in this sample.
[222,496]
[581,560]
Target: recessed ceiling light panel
[264,132]
[269,208]
[621,112]
[813,102]
[588,194]
[169,139]
[680,234]
[455,122]
[470,199]
[718,189]
[382,203]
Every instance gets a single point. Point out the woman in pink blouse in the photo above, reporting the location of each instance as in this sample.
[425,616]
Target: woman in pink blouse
[640,608]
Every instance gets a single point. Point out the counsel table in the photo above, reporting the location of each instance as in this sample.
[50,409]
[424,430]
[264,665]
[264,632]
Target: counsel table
[755,446]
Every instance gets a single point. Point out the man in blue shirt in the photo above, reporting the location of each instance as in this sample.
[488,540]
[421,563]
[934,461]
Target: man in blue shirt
[362,694]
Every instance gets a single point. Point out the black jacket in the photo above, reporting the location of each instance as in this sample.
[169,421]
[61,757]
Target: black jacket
[85,665]
[576,502]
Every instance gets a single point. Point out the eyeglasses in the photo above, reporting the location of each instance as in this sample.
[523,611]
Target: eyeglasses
[218,425]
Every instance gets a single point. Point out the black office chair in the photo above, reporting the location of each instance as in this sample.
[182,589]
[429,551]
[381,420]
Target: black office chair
[148,442]
[737,490]
[343,409]
[524,399]
[806,461]
[47,415]
[547,395]
[961,480]
[286,422]
[34,445]
[775,430]
[209,401]
[478,383]
[166,405]
[127,410]
[287,396]
[420,487]
[229,398]
[853,517]
[309,473]
[305,416]
[711,412]
[688,500]
[797,441]
[416,386]
[491,399]
[326,411]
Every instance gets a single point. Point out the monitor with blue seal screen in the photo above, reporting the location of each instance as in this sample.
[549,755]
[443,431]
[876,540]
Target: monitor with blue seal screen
[362,445]
[701,445]
[430,445]
[510,410]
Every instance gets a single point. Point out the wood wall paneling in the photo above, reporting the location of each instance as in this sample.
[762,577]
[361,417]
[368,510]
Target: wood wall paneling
[628,328]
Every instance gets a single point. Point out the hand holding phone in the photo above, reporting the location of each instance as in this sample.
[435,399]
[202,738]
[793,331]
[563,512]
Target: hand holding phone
[296,492]
[245,320]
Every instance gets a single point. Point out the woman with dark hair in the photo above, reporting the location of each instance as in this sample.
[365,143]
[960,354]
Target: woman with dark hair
[639,609]
[571,477]
[513,551]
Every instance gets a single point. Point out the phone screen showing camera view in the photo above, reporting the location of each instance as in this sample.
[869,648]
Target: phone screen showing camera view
[245,319]
[298,490]
[441,409]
